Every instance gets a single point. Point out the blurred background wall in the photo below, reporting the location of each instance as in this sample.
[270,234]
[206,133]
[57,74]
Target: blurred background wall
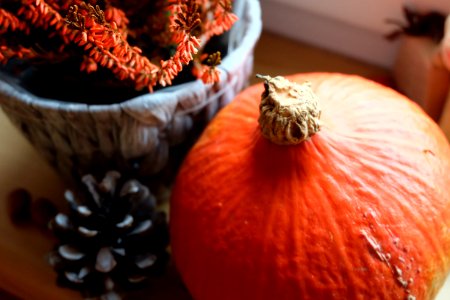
[352,27]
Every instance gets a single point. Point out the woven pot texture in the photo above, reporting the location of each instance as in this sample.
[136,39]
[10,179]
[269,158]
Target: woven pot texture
[152,131]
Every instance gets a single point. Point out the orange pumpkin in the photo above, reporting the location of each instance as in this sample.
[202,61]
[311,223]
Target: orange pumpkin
[358,210]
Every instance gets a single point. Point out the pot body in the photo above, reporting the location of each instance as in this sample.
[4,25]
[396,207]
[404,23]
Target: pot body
[151,131]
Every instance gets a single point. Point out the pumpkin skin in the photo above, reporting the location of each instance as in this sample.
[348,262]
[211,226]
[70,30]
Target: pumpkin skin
[361,210]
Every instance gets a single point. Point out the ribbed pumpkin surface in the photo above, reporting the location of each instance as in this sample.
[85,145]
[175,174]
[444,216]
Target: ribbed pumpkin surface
[359,211]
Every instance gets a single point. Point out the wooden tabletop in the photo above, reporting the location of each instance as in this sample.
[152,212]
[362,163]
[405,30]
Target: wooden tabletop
[276,55]
[23,269]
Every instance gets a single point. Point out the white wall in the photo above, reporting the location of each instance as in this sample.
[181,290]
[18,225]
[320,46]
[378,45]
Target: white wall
[367,14]
[352,27]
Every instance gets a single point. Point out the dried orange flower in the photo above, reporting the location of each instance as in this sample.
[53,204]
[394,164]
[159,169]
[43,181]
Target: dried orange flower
[146,43]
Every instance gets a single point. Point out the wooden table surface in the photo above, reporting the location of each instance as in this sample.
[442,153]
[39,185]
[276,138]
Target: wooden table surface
[275,55]
[23,269]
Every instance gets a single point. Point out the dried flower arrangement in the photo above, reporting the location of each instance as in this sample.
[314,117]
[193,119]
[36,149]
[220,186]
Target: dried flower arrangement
[143,44]
[430,24]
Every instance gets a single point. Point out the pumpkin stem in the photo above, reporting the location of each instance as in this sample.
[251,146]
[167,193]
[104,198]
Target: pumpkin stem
[289,112]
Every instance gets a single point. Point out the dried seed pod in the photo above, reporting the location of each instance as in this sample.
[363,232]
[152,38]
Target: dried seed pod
[18,206]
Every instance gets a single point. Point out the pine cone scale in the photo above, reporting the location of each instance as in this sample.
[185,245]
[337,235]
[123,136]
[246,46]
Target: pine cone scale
[70,253]
[105,261]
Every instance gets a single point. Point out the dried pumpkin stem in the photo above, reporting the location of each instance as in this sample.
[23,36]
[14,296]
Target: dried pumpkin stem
[289,112]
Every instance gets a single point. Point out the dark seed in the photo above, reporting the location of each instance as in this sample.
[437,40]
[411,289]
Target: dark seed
[18,206]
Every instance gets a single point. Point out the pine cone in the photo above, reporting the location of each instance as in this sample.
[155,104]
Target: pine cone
[112,240]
